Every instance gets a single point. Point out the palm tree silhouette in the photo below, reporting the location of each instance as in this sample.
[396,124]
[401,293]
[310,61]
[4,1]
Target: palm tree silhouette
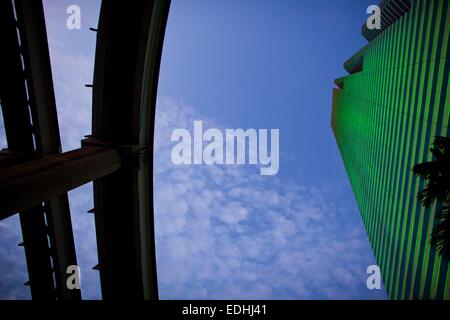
[437,188]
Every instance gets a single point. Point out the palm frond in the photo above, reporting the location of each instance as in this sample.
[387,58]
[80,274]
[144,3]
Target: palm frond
[440,238]
[441,149]
[435,173]
[437,188]
[432,191]
[426,169]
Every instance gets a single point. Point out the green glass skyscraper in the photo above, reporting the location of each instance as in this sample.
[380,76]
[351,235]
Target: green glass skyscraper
[386,113]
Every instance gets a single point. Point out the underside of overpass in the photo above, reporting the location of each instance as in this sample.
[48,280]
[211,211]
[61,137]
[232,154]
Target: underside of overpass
[35,175]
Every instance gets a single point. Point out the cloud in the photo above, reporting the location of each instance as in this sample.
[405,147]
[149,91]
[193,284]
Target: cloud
[71,71]
[225,232]
[13,265]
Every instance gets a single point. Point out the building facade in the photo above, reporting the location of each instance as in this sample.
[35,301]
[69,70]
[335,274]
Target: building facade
[386,113]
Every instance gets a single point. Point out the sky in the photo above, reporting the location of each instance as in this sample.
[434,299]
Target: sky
[226,232]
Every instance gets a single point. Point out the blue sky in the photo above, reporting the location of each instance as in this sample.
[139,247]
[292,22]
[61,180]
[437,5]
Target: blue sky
[226,232]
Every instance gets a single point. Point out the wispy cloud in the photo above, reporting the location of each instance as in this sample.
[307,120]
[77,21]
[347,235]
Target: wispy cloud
[226,232]
[71,71]
[13,270]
